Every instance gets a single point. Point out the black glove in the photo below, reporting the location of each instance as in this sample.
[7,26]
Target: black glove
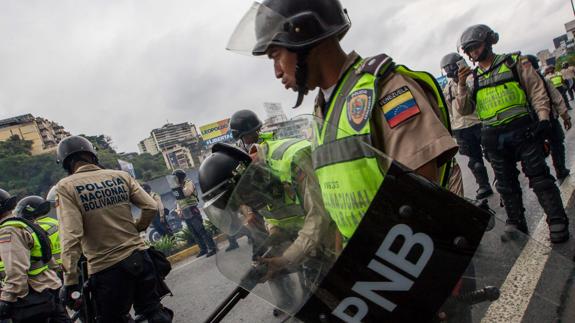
[543,129]
[5,309]
[73,302]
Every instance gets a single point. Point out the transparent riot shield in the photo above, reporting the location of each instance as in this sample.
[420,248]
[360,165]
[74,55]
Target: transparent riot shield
[415,253]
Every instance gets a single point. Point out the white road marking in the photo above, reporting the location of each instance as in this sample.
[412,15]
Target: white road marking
[520,284]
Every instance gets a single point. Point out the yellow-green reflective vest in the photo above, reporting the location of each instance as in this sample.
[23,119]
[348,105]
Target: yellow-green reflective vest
[347,167]
[557,80]
[37,266]
[50,225]
[499,98]
[280,157]
[188,201]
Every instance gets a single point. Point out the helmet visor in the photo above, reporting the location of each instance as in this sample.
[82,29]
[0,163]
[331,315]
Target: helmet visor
[256,31]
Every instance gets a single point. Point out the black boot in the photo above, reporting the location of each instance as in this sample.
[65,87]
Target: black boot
[482,179]
[515,224]
[557,220]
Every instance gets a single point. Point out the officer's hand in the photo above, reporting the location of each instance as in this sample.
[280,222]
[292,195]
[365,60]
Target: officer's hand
[462,74]
[543,129]
[567,123]
[71,297]
[5,309]
[274,266]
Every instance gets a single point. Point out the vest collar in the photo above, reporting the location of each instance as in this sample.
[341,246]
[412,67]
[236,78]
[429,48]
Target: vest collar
[320,99]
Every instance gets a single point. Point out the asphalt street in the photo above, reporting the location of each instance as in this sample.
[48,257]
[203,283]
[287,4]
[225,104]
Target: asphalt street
[199,287]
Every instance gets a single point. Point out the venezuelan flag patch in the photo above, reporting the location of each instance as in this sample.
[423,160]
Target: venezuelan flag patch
[399,106]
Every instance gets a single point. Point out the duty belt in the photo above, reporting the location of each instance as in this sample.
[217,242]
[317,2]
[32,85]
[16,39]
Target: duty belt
[514,111]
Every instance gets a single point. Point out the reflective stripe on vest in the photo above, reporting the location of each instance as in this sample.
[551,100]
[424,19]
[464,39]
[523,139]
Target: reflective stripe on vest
[346,165]
[188,201]
[557,80]
[500,98]
[51,227]
[37,266]
[280,157]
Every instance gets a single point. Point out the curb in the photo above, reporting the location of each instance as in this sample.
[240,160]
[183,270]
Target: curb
[191,251]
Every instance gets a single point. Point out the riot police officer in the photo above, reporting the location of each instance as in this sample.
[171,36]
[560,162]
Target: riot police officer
[188,210]
[94,212]
[513,106]
[245,127]
[556,135]
[295,218]
[35,208]
[557,80]
[376,102]
[466,129]
[25,258]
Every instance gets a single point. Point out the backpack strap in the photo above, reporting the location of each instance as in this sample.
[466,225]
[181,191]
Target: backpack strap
[45,244]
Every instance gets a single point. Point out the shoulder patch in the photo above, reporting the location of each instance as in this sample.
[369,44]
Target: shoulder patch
[7,237]
[358,107]
[399,106]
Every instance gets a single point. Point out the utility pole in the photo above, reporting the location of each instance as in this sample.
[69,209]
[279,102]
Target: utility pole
[573,7]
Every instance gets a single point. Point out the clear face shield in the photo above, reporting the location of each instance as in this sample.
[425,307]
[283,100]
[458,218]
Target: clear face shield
[256,31]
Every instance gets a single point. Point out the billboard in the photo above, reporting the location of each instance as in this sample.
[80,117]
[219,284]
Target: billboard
[216,132]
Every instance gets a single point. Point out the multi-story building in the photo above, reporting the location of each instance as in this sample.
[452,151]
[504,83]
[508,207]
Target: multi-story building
[175,134]
[178,157]
[148,146]
[44,134]
[293,128]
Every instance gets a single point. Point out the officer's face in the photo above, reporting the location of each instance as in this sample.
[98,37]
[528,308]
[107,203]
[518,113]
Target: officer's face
[475,51]
[284,66]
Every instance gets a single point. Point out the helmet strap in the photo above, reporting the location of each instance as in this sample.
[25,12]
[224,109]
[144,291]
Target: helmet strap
[301,74]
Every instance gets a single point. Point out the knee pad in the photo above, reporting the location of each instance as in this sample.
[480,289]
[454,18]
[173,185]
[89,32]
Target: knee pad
[542,183]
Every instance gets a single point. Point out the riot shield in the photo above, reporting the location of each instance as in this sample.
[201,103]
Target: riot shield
[418,253]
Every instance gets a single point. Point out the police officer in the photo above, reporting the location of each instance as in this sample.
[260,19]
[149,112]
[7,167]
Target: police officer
[556,135]
[188,210]
[25,257]
[376,102]
[159,222]
[513,106]
[466,129]
[568,73]
[95,217]
[556,78]
[290,204]
[245,127]
[35,208]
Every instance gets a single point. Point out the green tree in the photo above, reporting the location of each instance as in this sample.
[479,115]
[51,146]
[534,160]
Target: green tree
[15,146]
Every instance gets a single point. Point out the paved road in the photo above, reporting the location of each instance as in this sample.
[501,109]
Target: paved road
[199,287]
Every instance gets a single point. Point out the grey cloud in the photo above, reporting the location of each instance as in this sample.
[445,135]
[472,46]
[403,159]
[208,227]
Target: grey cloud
[123,68]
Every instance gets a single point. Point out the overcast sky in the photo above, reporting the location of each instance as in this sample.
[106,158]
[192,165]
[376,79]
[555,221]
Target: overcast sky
[122,68]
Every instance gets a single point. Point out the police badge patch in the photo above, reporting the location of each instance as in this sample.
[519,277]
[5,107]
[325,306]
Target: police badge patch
[359,108]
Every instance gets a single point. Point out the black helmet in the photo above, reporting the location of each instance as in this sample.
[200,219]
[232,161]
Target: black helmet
[32,207]
[533,60]
[221,171]
[449,64]
[475,35]
[565,65]
[297,25]
[7,201]
[180,174]
[294,24]
[244,122]
[72,145]
[147,188]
